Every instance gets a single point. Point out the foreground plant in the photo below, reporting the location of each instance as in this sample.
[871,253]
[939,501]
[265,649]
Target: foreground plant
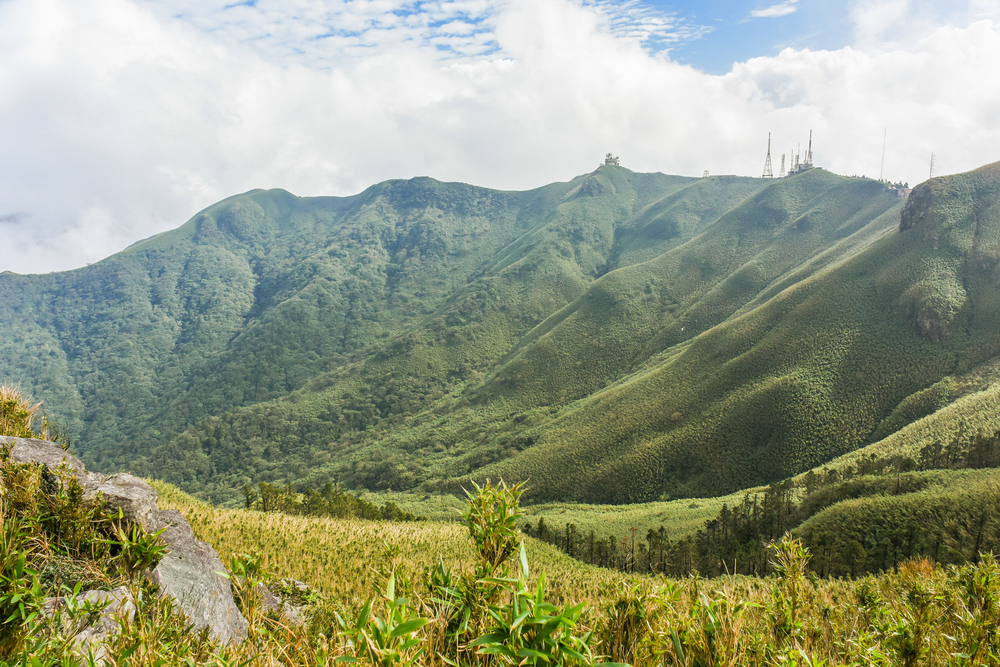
[17,412]
[527,630]
[386,639]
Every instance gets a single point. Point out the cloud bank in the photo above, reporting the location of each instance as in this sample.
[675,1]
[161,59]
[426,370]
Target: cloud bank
[123,118]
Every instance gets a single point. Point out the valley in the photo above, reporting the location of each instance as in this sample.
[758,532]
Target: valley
[643,343]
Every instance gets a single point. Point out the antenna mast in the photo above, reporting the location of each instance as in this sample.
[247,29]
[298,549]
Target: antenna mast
[767,162]
[882,164]
[782,166]
[809,153]
[932,166]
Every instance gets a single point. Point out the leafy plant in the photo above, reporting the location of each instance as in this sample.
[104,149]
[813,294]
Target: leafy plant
[247,575]
[138,550]
[21,596]
[527,630]
[16,412]
[383,639]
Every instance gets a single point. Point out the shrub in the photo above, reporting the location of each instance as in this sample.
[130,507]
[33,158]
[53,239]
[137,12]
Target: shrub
[16,412]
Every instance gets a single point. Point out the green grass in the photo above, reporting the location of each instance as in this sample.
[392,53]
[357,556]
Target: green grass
[680,518]
[341,557]
[919,614]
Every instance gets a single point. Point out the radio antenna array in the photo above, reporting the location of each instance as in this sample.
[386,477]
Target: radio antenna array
[767,161]
[882,164]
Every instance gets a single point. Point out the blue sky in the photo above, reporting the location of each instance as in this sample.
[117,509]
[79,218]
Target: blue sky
[124,117]
[740,31]
[710,35]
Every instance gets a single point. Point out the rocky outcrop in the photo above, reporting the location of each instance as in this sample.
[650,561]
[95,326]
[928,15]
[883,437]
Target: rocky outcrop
[52,456]
[191,572]
[283,606]
[133,497]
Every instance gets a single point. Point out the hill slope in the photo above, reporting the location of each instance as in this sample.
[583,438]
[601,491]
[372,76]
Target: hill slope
[618,338]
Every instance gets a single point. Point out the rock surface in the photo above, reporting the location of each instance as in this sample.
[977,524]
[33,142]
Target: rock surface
[190,572]
[30,450]
[282,608]
[135,498]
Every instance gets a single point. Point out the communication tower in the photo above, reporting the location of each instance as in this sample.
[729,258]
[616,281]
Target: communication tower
[798,162]
[767,161]
[932,166]
[882,164]
[782,174]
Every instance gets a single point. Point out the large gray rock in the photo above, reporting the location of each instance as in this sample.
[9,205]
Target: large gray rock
[190,572]
[93,637]
[135,498]
[54,457]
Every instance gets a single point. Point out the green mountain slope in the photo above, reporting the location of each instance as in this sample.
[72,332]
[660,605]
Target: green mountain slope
[618,338]
[794,378]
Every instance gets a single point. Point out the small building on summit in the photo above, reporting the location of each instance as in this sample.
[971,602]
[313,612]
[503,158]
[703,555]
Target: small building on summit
[611,161]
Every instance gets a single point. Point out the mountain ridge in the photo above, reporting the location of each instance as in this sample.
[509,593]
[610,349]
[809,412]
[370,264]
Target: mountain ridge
[420,334]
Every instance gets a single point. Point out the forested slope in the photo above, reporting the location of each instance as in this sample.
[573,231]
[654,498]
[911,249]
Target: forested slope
[618,338]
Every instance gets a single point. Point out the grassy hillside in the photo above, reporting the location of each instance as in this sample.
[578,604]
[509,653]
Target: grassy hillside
[618,338]
[341,557]
[794,379]
[424,593]
[415,613]
[921,611]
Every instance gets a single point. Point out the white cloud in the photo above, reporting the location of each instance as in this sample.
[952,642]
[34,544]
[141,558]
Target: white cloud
[122,121]
[780,9]
[884,25]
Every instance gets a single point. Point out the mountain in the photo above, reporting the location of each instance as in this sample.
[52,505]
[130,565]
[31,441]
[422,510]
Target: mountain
[620,337]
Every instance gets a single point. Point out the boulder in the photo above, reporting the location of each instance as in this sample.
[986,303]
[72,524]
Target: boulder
[133,497]
[93,637]
[280,607]
[30,450]
[190,572]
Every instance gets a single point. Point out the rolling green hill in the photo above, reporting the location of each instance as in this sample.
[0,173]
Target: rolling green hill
[617,338]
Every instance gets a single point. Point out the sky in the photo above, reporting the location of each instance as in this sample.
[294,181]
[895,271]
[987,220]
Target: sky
[120,119]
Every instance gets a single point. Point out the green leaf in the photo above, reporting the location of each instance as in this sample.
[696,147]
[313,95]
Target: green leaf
[520,619]
[678,648]
[526,652]
[495,638]
[129,651]
[409,626]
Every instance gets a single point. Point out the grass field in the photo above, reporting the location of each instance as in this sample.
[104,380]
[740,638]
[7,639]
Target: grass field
[341,557]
